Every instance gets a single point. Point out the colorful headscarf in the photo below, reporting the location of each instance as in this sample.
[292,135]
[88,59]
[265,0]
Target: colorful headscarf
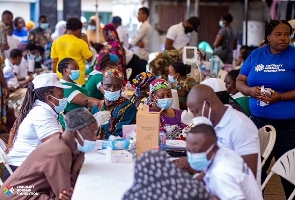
[114,73]
[159,84]
[110,33]
[141,80]
[156,177]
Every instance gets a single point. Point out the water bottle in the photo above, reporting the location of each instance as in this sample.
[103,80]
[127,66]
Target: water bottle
[162,140]
[132,148]
[128,86]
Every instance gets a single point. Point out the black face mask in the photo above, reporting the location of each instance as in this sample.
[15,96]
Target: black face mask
[188,30]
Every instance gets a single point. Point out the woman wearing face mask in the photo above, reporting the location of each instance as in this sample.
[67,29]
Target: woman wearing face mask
[37,120]
[91,31]
[181,81]
[142,82]
[170,119]
[122,111]
[227,39]
[77,96]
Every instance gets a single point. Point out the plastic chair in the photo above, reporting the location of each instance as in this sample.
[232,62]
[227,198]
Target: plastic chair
[3,158]
[267,138]
[284,167]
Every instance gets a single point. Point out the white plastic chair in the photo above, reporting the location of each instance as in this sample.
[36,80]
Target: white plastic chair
[267,138]
[284,167]
[3,158]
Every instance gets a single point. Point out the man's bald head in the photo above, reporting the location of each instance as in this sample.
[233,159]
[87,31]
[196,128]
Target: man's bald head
[198,95]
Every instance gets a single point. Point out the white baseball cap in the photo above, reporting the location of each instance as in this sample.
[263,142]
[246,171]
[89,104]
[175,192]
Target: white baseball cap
[215,83]
[47,80]
[83,19]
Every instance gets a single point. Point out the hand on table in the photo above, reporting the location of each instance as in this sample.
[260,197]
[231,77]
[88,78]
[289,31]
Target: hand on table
[102,117]
[66,194]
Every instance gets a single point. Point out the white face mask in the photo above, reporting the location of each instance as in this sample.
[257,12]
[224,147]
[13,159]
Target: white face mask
[202,119]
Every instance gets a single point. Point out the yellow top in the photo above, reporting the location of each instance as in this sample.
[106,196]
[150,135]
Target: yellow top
[69,46]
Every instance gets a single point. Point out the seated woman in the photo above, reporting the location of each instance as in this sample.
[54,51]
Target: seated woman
[230,84]
[123,112]
[142,84]
[93,84]
[181,81]
[77,96]
[161,101]
[38,119]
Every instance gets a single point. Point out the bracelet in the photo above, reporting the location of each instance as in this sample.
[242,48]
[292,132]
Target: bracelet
[282,97]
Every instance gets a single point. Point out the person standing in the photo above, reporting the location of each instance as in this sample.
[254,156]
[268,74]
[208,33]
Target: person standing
[178,35]
[74,45]
[267,76]
[19,29]
[92,29]
[122,33]
[141,42]
[12,40]
[41,36]
[226,39]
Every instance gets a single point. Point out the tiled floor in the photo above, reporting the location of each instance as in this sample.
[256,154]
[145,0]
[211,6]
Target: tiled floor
[274,189]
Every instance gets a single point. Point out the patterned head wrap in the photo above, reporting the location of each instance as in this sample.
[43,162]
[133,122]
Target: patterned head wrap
[142,79]
[110,33]
[114,73]
[159,84]
[155,177]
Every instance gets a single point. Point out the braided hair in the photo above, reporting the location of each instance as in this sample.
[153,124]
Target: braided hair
[272,24]
[106,62]
[181,68]
[63,64]
[234,74]
[31,96]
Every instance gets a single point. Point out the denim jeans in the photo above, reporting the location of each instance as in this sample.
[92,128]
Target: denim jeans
[6,174]
[285,141]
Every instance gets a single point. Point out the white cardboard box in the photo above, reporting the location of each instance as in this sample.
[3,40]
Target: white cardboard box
[118,156]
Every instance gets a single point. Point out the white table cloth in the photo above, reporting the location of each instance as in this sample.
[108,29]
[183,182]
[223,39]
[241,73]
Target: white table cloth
[99,179]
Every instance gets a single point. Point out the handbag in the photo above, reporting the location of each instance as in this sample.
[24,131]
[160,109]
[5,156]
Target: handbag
[222,50]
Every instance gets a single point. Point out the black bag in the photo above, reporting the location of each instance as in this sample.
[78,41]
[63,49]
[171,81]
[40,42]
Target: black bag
[222,50]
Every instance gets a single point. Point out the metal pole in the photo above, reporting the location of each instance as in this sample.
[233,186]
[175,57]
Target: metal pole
[246,21]
[97,22]
[188,6]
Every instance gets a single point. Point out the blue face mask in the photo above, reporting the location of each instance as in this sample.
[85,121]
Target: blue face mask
[164,103]
[88,145]
[91,27]
[221,24]
[199,161]
[62,104]
[44,25]
[112,96]
[38,59]
[75,74]
[171,79]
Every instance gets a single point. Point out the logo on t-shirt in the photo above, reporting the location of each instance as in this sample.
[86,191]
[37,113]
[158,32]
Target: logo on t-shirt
[8,190]
[270,68]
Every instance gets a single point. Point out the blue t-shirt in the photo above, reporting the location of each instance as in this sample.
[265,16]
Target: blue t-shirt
[22,34]
[275,71]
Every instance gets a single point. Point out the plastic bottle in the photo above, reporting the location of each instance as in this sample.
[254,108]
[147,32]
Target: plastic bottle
[162,140]
[128,86]
[132,148]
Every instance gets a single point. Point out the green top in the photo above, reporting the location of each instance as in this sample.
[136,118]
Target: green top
[67,93]
[94,78]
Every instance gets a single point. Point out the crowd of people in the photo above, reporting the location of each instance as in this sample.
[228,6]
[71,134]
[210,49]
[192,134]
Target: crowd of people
[82,100]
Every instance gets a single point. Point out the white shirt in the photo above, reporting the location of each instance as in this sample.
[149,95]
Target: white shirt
[13,42]
[237,95]
[40,123]
[9,76]
[144,34]
[123,35]
[128,54]
[237,132]
[229,177]
[22,69]
[177,34]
